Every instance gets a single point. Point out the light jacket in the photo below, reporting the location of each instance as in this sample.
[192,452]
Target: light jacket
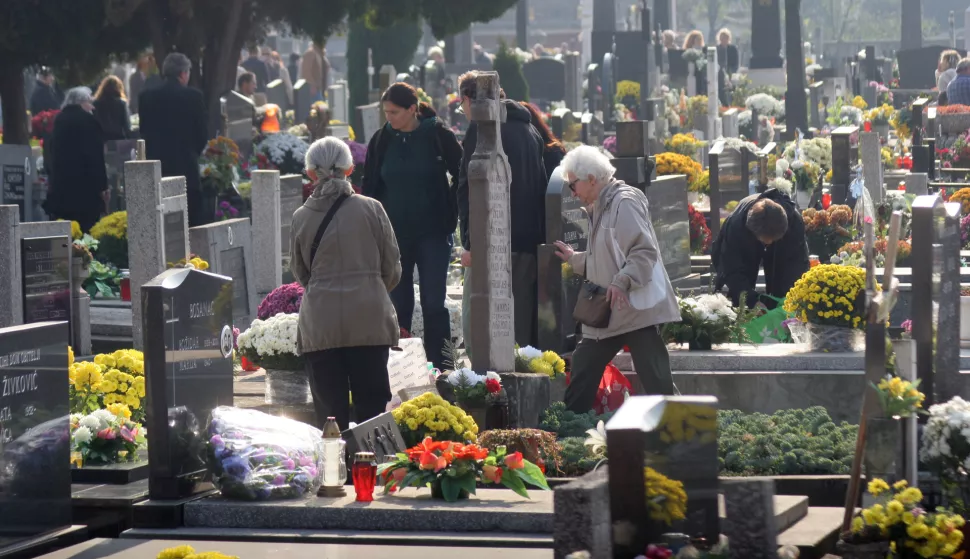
[346,301]
[622,213]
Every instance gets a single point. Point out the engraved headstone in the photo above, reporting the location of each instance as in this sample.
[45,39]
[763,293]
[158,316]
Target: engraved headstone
[815,94]
[227,247]
[291,198]
[240,112]
[843,160]
[46,287]
[729,179]
[17,176]
[302,101]
[267,243]
[796,103]
[188,373]
[574,81]
[489,180]
[667,200]
[35,471]
[946,259]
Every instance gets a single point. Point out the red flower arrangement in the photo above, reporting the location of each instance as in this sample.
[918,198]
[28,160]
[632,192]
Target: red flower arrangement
[700,233]
[493,386]
[42,124]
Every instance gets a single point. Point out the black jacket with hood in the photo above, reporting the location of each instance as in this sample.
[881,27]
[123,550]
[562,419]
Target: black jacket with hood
[737,253]
[524,149]
[449,160]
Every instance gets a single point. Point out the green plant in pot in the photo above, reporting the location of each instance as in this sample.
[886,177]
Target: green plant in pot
[475,392]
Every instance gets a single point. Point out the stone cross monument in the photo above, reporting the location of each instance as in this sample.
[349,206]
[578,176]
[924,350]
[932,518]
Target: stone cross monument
[489,179]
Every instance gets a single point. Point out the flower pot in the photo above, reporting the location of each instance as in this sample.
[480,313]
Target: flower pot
[882,130]
[883,447]
[828,339]
[287,388]
[497,417]
[437,493]
[79,273]
[477,412]
[874,550]
[803,198]
[965,321]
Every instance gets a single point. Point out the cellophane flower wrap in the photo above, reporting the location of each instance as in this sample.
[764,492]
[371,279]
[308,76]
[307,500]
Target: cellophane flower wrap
[531,360]
[706,320]
[107,436]
[285,151]
[284,299]
[271,343]
[429,415]
[255,456]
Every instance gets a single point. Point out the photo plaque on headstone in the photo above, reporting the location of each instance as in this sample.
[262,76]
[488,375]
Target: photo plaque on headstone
[188,373]
[46,281]
[35,456]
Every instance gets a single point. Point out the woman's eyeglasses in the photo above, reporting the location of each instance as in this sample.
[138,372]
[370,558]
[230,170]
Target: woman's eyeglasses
[572,185]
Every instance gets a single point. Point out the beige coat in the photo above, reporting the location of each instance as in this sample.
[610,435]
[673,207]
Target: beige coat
[346,303]
[314,69]
[621,213]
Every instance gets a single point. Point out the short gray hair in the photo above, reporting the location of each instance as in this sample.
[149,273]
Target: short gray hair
[176,63]
[78,96]
[964,66]
[329,157]
[585,162]
[436,51]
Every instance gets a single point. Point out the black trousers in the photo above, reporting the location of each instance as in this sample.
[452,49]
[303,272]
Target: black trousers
[650,359]
[85,219]
[335,373]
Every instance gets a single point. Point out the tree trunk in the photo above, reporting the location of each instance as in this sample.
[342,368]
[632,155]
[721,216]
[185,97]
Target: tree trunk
[15,130]
[220,55]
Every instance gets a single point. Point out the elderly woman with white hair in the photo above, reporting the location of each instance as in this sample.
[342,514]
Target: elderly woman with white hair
[625,281]
[344,254]
[78,177]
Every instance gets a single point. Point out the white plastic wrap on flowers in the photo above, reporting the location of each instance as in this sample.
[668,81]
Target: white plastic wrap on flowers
[454,314]
[827,339]
[254,456]
[765,105]
[274,336]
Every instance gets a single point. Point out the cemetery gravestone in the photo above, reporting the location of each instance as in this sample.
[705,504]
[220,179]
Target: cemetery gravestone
[592,131]
[750,523]
[815,98]
[594,89]
[35,455]
[339,98]
[946,259]
[713,103]
[796,117]
[240,112]
[407,365]
[173,236]
[574,82]
[370,118]
[302,101]
[116,154]
[729,123]
[489,181]
[842,161]
[667,439]
[379,435]
[566,221]
[146,248]
[870,150]
[46,287]
[291,198]
[276,95]
[267,242]
[667,198]
[917,66]
[766,43]
[17,179]
[729,180]
[11,302]
[227,247]
[188,373]
[546,78]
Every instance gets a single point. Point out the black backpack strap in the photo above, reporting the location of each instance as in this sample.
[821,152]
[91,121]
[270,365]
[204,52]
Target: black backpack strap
[324,224]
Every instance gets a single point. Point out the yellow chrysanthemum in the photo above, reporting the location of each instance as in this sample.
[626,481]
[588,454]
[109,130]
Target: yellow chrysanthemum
[120,410]
[180,552]
[878,487]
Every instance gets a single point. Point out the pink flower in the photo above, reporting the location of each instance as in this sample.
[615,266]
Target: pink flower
[868,219]
[107,433]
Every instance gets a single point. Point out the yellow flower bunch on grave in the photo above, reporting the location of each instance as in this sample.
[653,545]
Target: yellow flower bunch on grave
[627,88]
[898,397]
[676,164]
[76,232]
[687,423]
[684,144]
[111,378]
[860,103]
[963,197]
[120,410]
[881,115]
[113,225]
[827,295]
[666,498]
[188,552]
[429,415]
[549,364]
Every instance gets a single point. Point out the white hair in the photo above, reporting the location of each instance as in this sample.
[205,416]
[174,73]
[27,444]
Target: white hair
[436,51]
[586,162]
[78,96]
[329,158]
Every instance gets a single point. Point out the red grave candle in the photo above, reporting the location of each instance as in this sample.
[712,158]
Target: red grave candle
[364,474]
[826,199]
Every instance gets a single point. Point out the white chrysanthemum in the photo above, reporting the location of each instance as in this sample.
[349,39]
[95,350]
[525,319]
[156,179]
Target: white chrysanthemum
[529,352]
[781,184]
[492,375]
[470,377]
[83,435]
[274,336]
[90,422]
[781,165]
[105,418]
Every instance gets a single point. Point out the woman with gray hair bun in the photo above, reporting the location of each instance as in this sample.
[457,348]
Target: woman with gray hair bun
[78,179]
[625,273]
[345,255]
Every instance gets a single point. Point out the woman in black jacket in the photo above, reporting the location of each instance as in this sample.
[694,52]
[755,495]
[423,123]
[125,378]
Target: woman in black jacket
[408,164]
[78,180]
[552,150]
[111,109]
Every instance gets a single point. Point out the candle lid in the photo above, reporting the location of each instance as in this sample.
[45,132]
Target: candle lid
[364,457]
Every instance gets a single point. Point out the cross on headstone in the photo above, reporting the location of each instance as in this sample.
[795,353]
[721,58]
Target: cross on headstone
[489,179]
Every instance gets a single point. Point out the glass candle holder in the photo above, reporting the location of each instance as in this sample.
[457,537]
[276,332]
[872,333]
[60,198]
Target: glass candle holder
[365,475]
[826,199]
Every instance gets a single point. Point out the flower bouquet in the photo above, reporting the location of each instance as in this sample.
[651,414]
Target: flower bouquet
[218,165]
[684,144]
[829,303]
[284,299]
[817,151]
[899,525]
[696,112]
[827,230]
[254,456]
[111,232]
[765,104]
[851,254]
[880,116]
[945,449]
[899,398]
[226,211]
[429,415]
[531,360]
[271,343]
[104,437]
[285,152]
[706,320]
[42,123]
[111,378]
[700,233]
[474,390]
[453,470]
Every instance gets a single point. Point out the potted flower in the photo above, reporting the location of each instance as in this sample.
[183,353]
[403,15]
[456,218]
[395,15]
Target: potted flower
[945,449]
[218,167]
[676,164]
[271,344]
[829,303]
[700,233]
[453,470]
[430,415]
[474,393]
[706,321]
[880,117]
[284,152]
[827,230]
[284,299]
[531,360]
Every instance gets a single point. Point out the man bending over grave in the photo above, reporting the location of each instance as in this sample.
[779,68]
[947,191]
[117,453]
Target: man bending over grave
[765,229]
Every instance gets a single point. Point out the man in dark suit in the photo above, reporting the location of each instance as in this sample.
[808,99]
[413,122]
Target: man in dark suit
[258,67]
[173,125]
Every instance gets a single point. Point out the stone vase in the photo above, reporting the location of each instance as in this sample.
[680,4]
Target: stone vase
[965,321]
[79,273]
[477,412]
[884,447]
[803,198]
[875,550]
[287,388]
[882,130]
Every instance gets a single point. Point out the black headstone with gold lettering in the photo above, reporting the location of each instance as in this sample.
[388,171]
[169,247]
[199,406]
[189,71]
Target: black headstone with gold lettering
[35,463]
[188,372]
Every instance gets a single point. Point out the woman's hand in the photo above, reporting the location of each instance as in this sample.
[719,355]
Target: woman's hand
[565,251]
[617,298]
[466,258]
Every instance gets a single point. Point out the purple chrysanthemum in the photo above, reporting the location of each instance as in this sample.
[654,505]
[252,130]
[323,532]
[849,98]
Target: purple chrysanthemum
[284,299]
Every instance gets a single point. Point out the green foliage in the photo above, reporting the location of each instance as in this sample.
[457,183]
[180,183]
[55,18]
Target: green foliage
[564,423]
[103,280]
[788,442]
[577,459]
[510,75]
[445,17]
[536,446]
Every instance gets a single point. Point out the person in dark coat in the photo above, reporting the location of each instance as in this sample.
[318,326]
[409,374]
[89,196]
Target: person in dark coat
[765,229]
[407,167]
[111,109]
[258,67]
[523,147]
[173,125]
[78,178]
[552,149]
[45,96]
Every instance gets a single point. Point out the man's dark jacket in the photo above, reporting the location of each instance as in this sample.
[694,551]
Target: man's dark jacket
[523,147]
[737,253]
[78,175]
[44,98]
[449,160]
[260,70]
[173,123]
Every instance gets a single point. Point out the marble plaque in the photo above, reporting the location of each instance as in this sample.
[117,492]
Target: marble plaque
[17,172]
[35,470]
[407,365]
[188,373]
[46,283]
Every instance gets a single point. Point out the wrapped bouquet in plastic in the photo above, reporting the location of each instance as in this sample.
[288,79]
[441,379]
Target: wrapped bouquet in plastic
[257,457]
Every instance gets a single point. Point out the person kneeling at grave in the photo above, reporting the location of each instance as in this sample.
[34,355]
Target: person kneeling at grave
[346,257]
[766,229]
[622,265]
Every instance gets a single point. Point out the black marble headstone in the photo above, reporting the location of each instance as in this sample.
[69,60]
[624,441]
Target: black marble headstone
[566,221]
[233,263]
[46,281]
[766,42]
[188,372]
[546,78]
[35,454]
[379,435]
[729,179]
[796,104]
[843,139]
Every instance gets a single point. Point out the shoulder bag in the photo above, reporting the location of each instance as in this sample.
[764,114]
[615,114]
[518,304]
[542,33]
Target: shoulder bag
[592,309]
[323,226]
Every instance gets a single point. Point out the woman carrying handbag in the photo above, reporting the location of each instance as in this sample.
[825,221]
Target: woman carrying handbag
[626,296]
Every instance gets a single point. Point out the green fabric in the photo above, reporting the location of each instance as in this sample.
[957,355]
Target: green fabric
[768,327]
[411,175]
